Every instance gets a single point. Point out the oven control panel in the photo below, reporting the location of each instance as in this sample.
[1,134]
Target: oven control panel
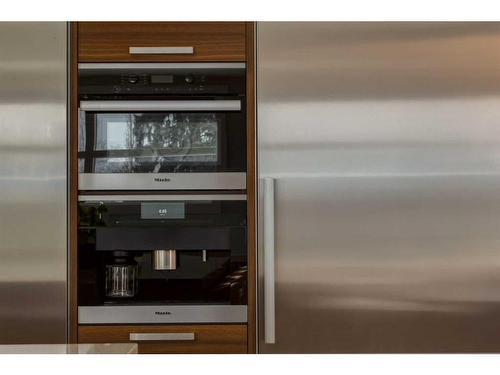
[161,84]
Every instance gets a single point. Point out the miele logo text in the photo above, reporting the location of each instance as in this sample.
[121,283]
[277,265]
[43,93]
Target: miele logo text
[158,179]
[163,313]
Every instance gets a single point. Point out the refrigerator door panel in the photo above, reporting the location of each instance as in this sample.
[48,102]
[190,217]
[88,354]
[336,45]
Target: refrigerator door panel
[383,140]
[33,183]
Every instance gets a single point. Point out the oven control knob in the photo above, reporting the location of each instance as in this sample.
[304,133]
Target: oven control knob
[133,79]
[189,79]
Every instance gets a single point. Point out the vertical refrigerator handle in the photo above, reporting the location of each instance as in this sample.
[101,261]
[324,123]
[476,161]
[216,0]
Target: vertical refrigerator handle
[268,242]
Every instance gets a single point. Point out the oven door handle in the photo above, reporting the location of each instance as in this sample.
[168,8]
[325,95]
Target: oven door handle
[160,105]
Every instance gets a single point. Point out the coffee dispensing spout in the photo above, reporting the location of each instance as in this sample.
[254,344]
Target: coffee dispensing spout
[164,260]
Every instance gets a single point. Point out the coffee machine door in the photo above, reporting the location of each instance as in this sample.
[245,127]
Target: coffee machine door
[141,252]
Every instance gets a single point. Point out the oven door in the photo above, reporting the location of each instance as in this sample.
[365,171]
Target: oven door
[162,145]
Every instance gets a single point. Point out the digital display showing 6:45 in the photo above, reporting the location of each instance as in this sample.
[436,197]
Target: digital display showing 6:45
[163,210]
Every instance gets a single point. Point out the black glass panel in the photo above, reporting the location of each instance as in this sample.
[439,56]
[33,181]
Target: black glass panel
[210,237]
[162,142]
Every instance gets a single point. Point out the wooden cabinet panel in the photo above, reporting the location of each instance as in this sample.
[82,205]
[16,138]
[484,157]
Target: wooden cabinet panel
[208,339]
[211,41]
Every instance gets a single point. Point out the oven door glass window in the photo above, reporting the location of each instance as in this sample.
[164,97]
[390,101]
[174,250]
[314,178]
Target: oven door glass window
[161,142]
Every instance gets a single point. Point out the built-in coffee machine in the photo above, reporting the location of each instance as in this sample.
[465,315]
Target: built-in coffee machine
[162,204]
[162,259]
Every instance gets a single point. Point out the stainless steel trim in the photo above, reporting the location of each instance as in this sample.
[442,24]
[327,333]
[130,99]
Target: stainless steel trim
[269,293]
[152,197]
[174,336]
[69,86]
[162,181]
[188,50]
[160,105]
[154,66]
[147,314]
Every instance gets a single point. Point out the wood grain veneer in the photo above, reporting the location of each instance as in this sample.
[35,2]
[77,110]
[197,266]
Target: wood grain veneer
[110,41]
[251,188]
[73,191]
[209,339]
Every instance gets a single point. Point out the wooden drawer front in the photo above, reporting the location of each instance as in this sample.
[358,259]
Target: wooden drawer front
[210,339]
[211,41]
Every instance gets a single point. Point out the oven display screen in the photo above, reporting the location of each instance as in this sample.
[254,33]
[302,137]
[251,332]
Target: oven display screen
[162,78]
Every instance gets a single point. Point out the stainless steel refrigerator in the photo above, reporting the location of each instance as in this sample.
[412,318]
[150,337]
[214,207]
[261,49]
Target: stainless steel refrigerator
[33,182]
[379,187]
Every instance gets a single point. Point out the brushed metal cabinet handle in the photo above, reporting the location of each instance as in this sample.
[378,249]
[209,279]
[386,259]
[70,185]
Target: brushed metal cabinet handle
[269,250]
[188,336]
[188,50]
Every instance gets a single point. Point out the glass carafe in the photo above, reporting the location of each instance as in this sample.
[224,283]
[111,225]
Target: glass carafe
[121,276]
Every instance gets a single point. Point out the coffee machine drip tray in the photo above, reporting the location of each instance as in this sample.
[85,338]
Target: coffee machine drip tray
[160,314]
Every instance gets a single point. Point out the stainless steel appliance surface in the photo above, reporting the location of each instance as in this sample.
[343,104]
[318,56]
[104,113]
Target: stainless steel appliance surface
[379,196]
[162,314]
[162,126]
[33,183]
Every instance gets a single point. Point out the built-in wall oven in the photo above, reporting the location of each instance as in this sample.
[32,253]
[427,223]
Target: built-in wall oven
[156,258]
[165,126]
